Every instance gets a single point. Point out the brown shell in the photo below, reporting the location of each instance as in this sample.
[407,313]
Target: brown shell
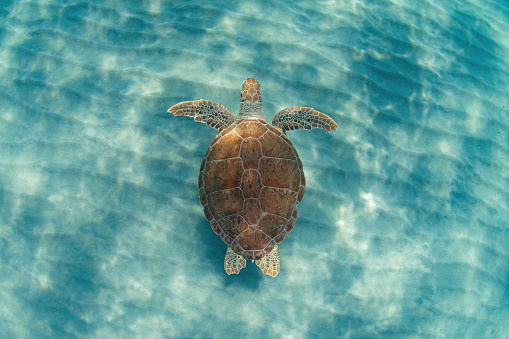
[251,181]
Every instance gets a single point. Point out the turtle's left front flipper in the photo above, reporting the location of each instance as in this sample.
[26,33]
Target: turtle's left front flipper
[303,118]
[211,113]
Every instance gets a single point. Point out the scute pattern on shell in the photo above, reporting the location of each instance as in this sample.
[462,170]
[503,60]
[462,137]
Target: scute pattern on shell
[251,180]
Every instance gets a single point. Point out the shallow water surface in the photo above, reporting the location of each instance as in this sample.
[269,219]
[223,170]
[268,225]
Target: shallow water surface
[402,232]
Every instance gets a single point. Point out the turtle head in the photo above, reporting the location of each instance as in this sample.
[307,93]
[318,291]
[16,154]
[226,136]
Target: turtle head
[250,100]
[250,90]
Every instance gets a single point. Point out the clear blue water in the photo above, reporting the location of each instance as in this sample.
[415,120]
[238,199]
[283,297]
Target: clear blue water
[402,232]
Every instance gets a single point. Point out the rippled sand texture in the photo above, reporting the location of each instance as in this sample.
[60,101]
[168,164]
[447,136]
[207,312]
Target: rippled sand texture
[402,232]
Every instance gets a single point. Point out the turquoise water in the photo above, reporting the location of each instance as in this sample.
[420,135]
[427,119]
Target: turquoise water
[402,232]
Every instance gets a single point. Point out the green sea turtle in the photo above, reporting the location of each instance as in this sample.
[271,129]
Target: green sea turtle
[251,178]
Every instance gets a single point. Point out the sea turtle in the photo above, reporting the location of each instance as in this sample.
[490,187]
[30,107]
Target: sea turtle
[251,178]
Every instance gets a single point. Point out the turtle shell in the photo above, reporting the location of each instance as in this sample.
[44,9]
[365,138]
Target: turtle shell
[251,181]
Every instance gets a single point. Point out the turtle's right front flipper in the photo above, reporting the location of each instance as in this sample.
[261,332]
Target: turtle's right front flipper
[303,118]
[211,113]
